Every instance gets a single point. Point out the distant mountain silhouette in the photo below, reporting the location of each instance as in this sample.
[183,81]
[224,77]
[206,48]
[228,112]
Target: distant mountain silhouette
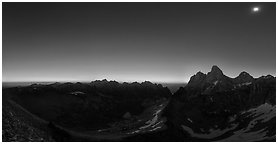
[90,106]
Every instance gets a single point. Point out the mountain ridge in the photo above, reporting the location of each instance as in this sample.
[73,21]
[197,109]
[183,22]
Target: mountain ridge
[212,106]
[211,99]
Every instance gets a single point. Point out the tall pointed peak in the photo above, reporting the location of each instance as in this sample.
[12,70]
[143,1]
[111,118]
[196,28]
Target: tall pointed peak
[215,74]
[216,69]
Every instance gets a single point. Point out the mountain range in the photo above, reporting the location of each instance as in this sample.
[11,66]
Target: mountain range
[210,107]
[210,100]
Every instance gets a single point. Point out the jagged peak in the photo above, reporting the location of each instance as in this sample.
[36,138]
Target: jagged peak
[147,82]
[216,69]
[200,73]
[267,76]
[99,81]
[197,78]
[215,74]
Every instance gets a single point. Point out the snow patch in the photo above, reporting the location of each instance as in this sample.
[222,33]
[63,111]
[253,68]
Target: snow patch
[189,120]
[77,93]
[263,113]
[244,84]
[213,133]
[241,135]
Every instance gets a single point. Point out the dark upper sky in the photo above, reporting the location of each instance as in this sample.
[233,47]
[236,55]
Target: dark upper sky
[160,42]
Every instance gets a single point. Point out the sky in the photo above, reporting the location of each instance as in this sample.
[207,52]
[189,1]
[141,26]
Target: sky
[158,42]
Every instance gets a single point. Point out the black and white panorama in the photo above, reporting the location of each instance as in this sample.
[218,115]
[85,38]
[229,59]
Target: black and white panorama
[138,71]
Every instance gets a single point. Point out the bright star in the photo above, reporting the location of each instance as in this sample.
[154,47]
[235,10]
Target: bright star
[256,9]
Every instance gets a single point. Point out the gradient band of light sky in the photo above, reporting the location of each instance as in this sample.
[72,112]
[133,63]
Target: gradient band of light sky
[159,42]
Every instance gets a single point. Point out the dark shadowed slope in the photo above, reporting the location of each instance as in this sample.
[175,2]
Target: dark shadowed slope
[98,111]
[20,125]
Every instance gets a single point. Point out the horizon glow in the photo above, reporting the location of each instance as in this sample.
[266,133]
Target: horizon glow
[157,42]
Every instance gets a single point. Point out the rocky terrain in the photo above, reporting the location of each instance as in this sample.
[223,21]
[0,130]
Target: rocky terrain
[211,107]
[20,125]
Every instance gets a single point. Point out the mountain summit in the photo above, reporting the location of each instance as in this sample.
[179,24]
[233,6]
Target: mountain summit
[216,70]
[215,74]
[200,78]
[197,79]
[221,106]
[243,77]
